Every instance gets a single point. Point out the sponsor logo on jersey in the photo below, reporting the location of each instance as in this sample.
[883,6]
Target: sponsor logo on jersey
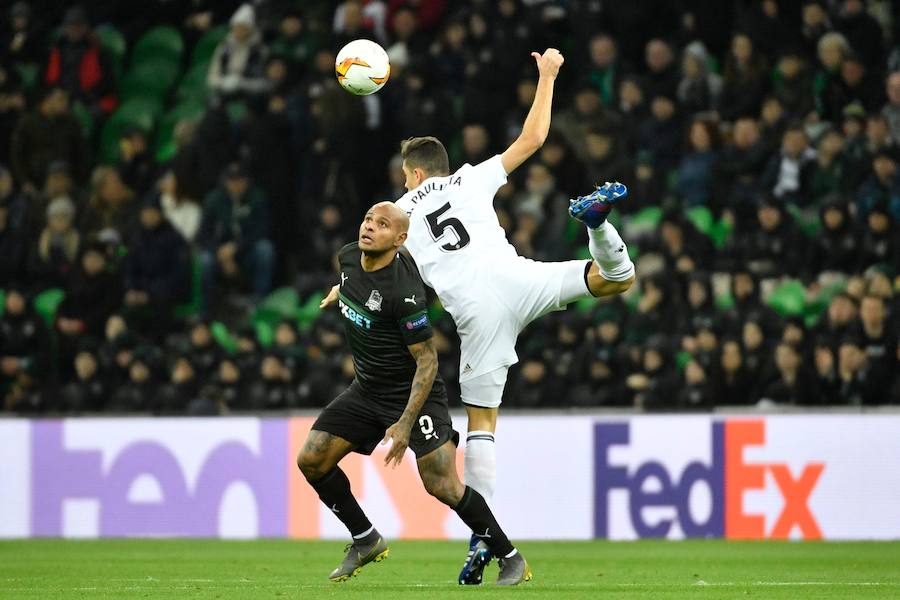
[417,323]
[355,317]
[343,278]
[659,497]
[374,301]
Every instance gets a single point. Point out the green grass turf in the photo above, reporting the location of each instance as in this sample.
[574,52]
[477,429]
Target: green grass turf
[290,569]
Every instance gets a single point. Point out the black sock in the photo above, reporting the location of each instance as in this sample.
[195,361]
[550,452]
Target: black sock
[334,492]
[475,513]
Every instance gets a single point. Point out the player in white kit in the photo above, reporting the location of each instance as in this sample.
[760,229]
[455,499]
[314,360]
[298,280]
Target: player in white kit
[492,293]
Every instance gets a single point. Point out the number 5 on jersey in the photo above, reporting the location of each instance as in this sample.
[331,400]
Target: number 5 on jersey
[439,228]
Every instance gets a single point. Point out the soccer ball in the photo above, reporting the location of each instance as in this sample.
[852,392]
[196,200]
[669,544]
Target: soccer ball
[362,67]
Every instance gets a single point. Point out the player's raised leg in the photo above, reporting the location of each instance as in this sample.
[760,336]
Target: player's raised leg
[438,472]
[318,462]
[612,271]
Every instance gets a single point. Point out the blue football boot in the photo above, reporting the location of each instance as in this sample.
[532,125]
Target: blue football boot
[477,559]
[593,209]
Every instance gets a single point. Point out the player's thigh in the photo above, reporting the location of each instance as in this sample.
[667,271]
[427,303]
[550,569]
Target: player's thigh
[433,427]
[482,396]
[350,416]
[545,287]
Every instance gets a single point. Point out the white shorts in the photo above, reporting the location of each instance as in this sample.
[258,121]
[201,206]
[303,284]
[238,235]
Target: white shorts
[503,301]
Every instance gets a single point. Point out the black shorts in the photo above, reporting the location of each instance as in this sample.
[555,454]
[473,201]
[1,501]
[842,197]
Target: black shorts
[362,420]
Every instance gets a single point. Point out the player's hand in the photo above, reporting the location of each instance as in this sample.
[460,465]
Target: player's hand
[549,62]
[399,432]
[331,298]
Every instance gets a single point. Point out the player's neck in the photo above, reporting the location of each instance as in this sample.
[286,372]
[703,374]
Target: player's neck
[374,262]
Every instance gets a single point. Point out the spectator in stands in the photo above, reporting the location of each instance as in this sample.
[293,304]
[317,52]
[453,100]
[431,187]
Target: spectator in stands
[839,320]
[791,384]
[881,240]
[79,65]
[878,136]
[654,386]
[234,234]
[237,67]
[135,163]
[55,253]
[836,247]
[229,382]
[182,212]
[891,110]
[204,351]
[858,382]
[605,69]
[586,112]
[698,164]
[12,105]
[158,271]
[275,387]
[747,302]
[567,171]
[13,231]
[89,390]
[882,187]
[661,133]
[825,382]
[21,44]
[695,392]
[296,42]
[698,303]
[58,183]
[791,82]
[25,353]
[731,385]
[858,83]
[745,78]
[93,291]
[829,176]
[699,89]
[831,51]
[182,388]
[773,247]
[739,168]
[605,155]
[45,135]
[112,209]
[816,23]
[139,392]
[755,352]
[661,78]
[863,32]
[597,384]
[878,336]
[788,176]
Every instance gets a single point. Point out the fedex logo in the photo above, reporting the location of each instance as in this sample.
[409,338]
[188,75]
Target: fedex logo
[727,476]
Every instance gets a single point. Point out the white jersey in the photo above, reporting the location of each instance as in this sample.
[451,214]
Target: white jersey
[462,252]
[454,232]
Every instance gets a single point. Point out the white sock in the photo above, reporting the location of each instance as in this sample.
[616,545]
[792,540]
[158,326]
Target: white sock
[481,463]
[610,252]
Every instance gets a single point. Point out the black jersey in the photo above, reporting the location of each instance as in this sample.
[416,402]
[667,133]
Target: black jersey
[384,311]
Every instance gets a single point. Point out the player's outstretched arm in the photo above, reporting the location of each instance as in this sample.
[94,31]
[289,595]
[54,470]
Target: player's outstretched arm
[537,123]
[426,371]
[331,298]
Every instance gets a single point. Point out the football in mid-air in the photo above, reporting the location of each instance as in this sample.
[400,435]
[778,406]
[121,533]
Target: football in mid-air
[362,67]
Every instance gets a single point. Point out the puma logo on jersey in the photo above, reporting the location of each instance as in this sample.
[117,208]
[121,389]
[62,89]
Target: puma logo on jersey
[335,509]
[411,299]
[484,535]
[343,278]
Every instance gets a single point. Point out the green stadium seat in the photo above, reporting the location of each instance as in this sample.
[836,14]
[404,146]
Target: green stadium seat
[47,302]
[29,74]
[808,222]
[788,299]
[115,45]
[161,42]
[84,118]
[284,302]
[149,79]
[265,333]
[701,217]
[206,45]
[309,311]
[192,307]
[141,113]
[2,302]
[223,337]
[192,86]
[165,143]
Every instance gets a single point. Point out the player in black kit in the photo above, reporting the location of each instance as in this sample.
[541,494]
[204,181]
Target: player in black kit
[396,396]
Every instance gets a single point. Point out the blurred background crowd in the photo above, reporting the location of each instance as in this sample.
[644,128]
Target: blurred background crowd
[176,178]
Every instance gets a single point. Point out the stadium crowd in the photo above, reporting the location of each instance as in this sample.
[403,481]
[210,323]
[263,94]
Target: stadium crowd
[176,178]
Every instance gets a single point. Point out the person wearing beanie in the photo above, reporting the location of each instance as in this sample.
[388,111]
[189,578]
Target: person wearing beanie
[56,250]
[237,67]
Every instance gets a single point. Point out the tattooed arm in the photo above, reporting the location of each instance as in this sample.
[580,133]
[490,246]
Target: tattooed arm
[426,371]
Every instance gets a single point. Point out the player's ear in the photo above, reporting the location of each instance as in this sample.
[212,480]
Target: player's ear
[420,175]
[400,239]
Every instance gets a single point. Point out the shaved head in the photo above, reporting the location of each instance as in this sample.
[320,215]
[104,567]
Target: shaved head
[383,229]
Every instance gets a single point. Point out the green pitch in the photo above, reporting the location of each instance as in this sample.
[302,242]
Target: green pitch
[567,570]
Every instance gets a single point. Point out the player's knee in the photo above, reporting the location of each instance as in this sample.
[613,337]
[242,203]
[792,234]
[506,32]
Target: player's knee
[311,465]
[443,487]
